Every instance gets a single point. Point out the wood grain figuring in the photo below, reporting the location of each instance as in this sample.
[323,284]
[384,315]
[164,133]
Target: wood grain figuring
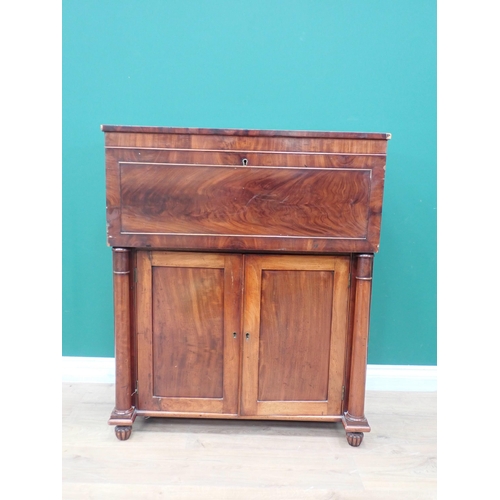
[121,273]
[201,227]
[188,260]
[255,143]
[221,320]
[246,244]
[294,347]
[338,339]
[348,344]
[133,325]
[254,158]
[244,201]
[144,312]
[189,308]
[233,301]
[251,329]
[188,327]
[313,408]
[288,307]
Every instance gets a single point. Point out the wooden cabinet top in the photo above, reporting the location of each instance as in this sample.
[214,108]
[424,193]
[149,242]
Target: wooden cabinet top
[244,132]
[244,190]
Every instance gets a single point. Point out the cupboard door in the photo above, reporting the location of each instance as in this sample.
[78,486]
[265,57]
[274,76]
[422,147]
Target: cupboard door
[188,331]
[295,326]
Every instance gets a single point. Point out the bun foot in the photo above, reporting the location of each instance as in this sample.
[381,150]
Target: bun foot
[354,438]
[123,432]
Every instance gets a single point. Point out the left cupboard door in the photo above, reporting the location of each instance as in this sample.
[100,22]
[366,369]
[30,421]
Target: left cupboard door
[188,332]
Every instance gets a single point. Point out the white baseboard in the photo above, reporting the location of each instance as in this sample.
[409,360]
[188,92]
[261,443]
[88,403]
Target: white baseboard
[378,377]
[88,370]
[401,378]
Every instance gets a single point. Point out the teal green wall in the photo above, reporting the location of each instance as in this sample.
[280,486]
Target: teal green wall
[361,65]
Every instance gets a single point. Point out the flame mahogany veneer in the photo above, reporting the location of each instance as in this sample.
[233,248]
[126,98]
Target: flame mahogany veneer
[242,264]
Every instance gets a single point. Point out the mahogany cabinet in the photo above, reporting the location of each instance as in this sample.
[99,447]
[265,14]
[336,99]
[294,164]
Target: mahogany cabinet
[242,264]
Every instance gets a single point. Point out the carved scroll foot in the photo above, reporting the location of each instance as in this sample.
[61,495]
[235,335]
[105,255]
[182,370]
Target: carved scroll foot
[354,438]
[123,432]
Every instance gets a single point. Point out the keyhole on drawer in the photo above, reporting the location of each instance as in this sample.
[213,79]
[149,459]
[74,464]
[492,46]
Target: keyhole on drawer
[244,161]
[247,336]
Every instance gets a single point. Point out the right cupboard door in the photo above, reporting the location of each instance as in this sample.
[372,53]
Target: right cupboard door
[295,328]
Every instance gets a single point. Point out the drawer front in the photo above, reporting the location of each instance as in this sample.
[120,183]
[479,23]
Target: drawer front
[245,156]
[217,141]
[244,200]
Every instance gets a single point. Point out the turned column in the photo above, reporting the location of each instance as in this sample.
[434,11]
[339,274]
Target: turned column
[124,413]
[354,419]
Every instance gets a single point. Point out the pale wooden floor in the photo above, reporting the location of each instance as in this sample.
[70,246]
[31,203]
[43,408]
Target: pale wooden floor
[221,459]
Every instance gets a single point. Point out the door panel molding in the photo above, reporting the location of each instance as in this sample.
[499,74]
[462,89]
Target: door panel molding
[252,324]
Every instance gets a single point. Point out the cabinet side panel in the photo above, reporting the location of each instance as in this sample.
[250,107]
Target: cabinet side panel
[188,328]
[294,339]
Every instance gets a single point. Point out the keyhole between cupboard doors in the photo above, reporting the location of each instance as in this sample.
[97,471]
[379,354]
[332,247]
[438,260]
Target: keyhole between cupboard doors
[247,336]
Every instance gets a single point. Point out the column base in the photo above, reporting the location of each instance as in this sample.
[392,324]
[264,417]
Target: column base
[122,417]
[355,424]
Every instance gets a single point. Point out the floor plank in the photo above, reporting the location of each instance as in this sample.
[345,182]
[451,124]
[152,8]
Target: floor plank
[219,459]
